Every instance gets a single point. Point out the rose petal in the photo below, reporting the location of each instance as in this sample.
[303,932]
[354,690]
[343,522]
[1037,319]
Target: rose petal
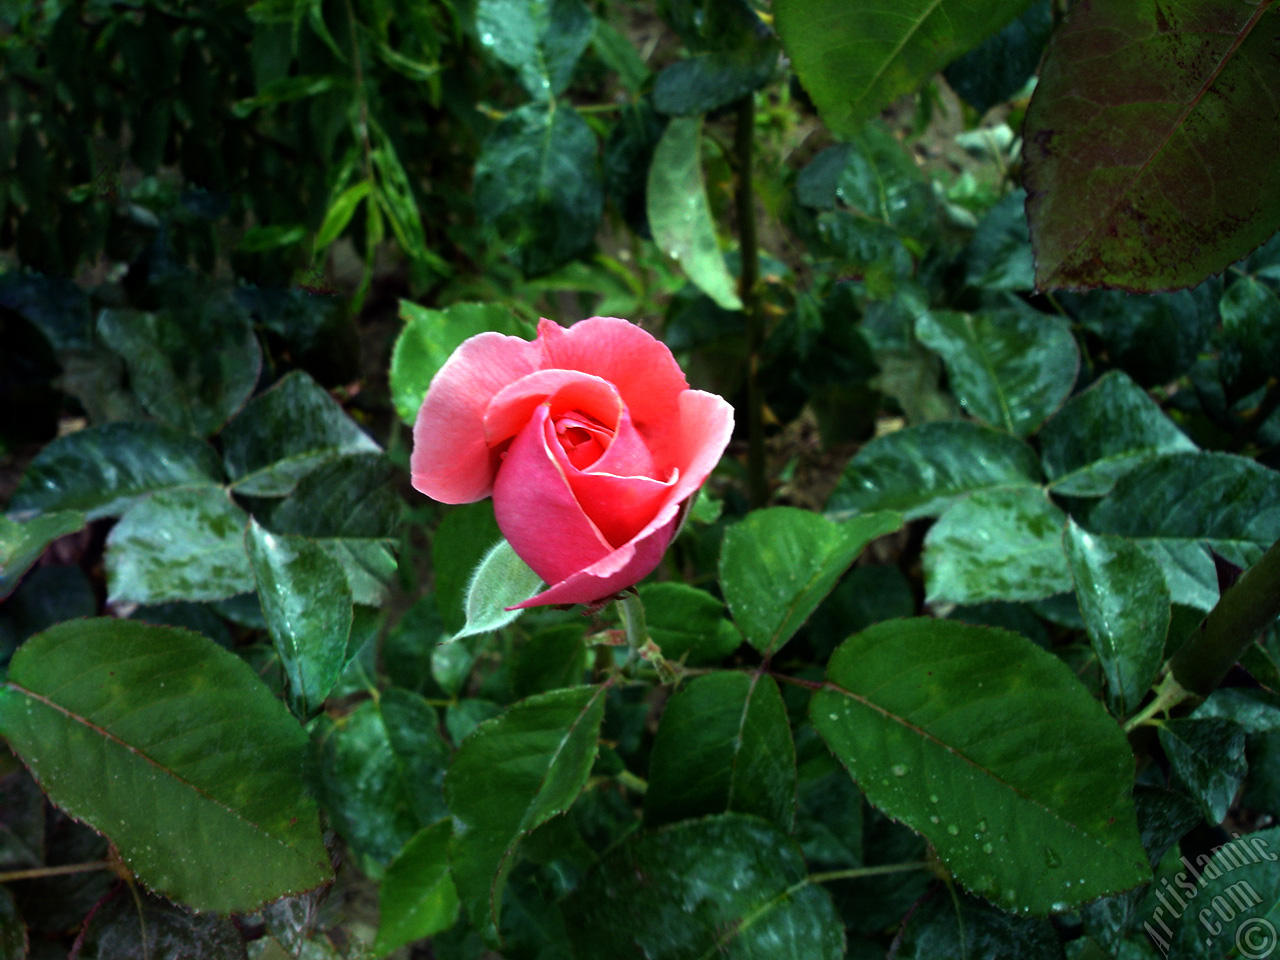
[625,566]
[641,367]
[513,405]
[536,510]
[451,462]
[705,426]
[628,453]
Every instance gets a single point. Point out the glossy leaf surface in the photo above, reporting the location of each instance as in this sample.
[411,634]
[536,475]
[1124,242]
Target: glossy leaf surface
[1009,368]
[142,731]
[180,544]
[1003,544]
[307,605]
[101,470]
[778,564]
[854,59]
[509,777]
[541,39]
[1125,604]
[538,182]
[22,543]
[723,746]
[1104,432]
[284,433]
[1181,505]
[380,770]
[921,470]
[727,886]
[679,215]
[1149,143]
[993,750]
[191,372]
[687,623]
[1207,758]
[417,898]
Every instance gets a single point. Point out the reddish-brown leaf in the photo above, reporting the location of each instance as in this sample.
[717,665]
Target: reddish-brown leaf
[1152,142]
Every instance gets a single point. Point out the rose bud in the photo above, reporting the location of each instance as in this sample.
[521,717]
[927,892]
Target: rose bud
[589,440]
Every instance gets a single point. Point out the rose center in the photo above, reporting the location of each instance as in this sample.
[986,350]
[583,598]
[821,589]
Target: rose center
[583,438]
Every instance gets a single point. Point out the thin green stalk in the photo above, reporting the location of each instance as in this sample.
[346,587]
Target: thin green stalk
[856,873]
[1243,612]
[748,277]
[36,873]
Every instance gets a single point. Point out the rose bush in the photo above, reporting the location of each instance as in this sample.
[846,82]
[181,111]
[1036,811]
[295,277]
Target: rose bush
[589,440]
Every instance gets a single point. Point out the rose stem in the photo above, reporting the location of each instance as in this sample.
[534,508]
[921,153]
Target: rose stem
[1239,616]
[749,273]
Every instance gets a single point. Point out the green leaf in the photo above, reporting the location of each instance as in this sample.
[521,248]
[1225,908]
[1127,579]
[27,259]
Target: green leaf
[1207,759]
[856,59]
[351,496]
[417,897]
[1011,368]
[1150,189]
[501,580]
[735,54]
[729,887]
[512,775]
[429,338]
[22,543]
[541,39]
[1181,505]
[1154,339]
[1125,605]
[1250,312]
[307,605]
[1001,544]
[286,432]
[874,178]
[549,660]
[723,746]
[1000,66]
[341,209]
[922,470]
[180,544]
[1101,434]
[102,470]
[464,538]
[191,371]
[261,238]
[676,201]
[999,257]
[379,773]
[994,751]
[617,53]
[538,182]
[13,932]
[144,732]
[778,564]
[687,623]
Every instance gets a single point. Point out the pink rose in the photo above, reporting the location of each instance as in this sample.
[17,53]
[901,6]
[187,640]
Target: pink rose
[589,440]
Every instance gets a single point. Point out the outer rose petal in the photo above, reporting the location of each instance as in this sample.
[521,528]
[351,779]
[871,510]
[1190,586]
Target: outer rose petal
[704,426]
[451,461]
[538,513]
[638,559]
[640,366]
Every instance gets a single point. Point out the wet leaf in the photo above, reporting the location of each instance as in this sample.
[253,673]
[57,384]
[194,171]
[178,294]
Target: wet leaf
[142,731]
[1149,142]
[994,751]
